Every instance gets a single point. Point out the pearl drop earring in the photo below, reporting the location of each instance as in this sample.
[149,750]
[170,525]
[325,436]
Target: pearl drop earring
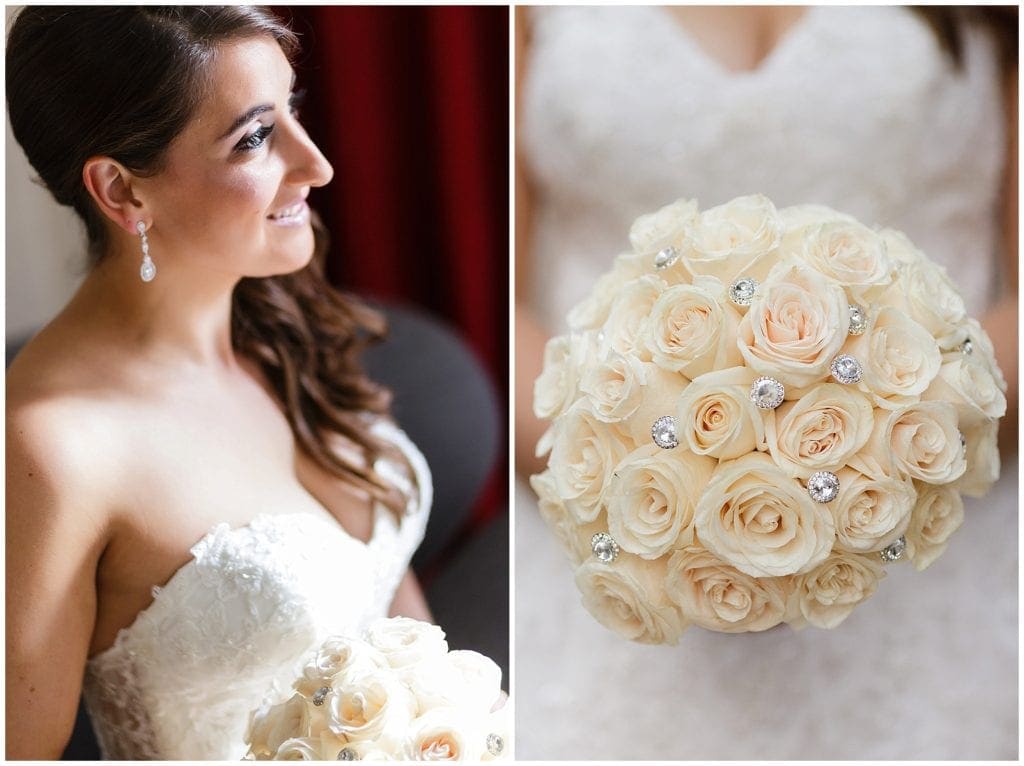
[148,269]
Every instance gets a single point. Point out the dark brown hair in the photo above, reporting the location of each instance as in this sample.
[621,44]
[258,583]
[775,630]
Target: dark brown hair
[122,82]
[1000,21]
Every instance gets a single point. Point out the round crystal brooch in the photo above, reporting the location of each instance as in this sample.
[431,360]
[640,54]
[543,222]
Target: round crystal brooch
[967,346]
[858,320]
[767,393]
[823,486]
[894,550]
[495,744]
[664,432]
[320,695]
[347,754]
[846,369]
[604,547]
[666,257]
[741,292]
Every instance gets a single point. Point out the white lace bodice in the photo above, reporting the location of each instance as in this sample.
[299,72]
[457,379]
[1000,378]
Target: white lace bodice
[240,618]
[856,108]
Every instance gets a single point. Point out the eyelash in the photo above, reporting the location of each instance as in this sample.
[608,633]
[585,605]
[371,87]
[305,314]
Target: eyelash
[295,101]
[256,139]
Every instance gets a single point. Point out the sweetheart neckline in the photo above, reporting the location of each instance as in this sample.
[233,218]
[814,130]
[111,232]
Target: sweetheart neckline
[423,491]
[779,50]
[253,523]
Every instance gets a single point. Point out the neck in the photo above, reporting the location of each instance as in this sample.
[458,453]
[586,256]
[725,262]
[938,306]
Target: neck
[176,319]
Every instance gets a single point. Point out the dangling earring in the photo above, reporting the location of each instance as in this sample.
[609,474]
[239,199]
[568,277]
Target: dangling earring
[148,269]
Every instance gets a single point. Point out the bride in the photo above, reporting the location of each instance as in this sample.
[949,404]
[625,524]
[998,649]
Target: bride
[201,483]
[903,118]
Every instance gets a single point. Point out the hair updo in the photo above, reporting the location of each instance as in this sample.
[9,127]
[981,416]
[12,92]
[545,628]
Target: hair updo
[123,82]
[113,81]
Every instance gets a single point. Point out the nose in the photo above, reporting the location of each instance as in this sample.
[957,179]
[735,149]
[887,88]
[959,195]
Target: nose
[309,167]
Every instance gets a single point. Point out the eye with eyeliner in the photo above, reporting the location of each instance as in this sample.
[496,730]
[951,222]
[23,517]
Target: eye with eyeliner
[257,138]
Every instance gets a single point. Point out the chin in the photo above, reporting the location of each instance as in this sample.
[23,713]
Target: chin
[293,258]
[291,265]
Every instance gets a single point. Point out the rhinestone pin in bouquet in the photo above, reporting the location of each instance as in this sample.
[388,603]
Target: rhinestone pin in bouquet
[397,693]
[755,413]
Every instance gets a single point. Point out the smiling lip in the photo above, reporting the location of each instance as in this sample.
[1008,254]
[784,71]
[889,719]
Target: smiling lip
[293,215]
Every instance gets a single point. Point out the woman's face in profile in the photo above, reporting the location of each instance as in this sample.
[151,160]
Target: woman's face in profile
[232,192]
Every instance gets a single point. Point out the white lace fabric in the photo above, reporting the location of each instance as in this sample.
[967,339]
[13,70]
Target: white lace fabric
[856,108]
[237,622]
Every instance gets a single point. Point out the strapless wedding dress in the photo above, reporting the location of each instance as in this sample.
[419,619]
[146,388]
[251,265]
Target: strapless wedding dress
[856,108]
[238,621]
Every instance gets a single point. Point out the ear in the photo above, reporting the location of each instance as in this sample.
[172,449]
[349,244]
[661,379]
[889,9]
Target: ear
[109,183]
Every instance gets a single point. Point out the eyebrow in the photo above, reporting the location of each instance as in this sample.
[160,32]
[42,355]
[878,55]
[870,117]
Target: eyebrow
[256,111]
[243,119]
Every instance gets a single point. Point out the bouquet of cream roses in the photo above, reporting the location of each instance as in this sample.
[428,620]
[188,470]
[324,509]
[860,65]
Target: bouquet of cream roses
[754,413]
[395,694]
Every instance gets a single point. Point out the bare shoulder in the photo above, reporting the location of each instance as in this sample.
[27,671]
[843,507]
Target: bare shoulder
[61,454]
[55,475]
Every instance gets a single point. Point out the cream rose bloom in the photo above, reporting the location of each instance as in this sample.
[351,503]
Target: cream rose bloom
[982,455]
[932,300]
[715,416]
[654,231]
[983,352]
[691,329]
[373,706]
[300,749]
[795,326]
[761,521]
[716,596]
[329,745]
[623,329]
[479,677]
[592,311]
[938,514]
[899,357]
[796,218]
[367,750]
[970,387]
[628,597]
[658,397]
[900,249]
[733,239]
[870,511]
[583,454]
[558,384]
[567,532]
[851,254]
[920,441]
[338,654]
[651,499]
[270,726]
[463,679]
[404,641]
[825,596]
[820,431]
[445,734]
[615,386]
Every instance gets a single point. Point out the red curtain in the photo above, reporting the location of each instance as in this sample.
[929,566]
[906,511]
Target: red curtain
[410,105]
